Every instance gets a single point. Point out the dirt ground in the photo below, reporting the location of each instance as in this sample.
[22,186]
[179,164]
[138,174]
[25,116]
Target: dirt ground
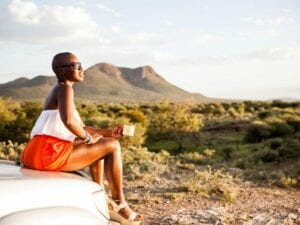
[252,200]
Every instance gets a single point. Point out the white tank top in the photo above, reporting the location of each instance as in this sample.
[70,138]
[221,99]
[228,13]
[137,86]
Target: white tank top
[50,123]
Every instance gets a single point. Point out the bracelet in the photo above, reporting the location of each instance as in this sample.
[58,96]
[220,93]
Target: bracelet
[88,138]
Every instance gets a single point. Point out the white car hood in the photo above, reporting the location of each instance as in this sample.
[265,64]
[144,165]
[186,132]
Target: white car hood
[22,189]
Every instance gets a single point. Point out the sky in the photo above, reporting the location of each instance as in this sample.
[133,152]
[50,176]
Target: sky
[219,48]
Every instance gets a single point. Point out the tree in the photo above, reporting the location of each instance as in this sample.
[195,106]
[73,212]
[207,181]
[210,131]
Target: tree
[174,124]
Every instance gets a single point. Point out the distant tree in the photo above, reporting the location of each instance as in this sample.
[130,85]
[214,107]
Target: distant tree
[175,124]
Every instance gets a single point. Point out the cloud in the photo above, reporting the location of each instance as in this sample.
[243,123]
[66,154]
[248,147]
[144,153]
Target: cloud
[47,24]
[167,22]
[24,12]
[267,55]
[107,9]
[261,33]
[277,20]
[205,38]
[272,54]
[198,36]
[145,38]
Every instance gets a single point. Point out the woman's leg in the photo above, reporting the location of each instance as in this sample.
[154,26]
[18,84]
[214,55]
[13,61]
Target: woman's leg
[97,171]
[109,149]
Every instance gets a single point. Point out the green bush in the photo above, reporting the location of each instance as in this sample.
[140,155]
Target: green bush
[275,143]
[290,148]
[258,131]
[266,155]
[227,151]
[281,129]
[295,123]
[265,114]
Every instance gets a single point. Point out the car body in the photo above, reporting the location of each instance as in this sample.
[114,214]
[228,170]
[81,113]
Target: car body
[43,197]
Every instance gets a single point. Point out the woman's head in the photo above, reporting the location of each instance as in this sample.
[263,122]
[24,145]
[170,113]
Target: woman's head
[67,67]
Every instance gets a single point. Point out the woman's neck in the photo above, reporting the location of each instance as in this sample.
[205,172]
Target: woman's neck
[65,82]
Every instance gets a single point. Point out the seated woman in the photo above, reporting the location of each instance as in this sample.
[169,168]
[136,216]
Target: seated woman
[60,141]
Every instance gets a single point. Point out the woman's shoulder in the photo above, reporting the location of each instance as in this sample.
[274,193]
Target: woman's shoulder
[63,90]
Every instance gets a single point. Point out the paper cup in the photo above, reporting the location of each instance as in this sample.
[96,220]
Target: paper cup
[128,130]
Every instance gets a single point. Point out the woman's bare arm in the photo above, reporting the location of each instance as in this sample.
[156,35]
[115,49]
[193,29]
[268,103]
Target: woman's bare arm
[65,99]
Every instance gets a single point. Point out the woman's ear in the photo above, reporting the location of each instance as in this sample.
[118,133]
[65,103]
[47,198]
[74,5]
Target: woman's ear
[61,71]
[60,74]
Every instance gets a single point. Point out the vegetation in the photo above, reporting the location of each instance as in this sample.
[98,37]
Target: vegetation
[197,145]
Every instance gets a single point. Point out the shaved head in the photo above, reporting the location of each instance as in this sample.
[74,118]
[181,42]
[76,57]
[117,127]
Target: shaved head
[60,59]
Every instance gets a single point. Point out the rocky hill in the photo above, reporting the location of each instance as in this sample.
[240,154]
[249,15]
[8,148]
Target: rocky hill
[106,82]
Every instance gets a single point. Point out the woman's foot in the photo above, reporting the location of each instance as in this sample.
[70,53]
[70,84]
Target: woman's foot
[120,211]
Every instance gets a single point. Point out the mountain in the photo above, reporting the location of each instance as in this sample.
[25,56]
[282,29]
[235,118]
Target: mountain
[106,82]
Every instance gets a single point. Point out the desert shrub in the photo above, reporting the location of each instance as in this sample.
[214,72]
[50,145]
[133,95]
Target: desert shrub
[135,116]
[139,163]
[176,125]
[17,124]
[227,151]
[257,175]
[265,114]
[290,148]
[266,155]
[191,157]
[275,143]
[196,157]
[282,104]
[11,151]
[99,122]
[244,163]
[215,184]
[232,112]
[294,122]
[288,182]
[281,129]
[258,131]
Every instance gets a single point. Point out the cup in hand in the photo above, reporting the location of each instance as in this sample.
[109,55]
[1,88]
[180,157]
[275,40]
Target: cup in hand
[128,130]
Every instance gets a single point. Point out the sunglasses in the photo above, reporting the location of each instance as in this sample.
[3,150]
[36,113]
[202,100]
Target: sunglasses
[76,66]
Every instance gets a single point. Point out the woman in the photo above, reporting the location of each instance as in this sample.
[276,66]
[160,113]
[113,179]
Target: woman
[60,141]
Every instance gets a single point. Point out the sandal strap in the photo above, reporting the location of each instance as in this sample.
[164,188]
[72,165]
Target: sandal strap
[117,207]
[132,216]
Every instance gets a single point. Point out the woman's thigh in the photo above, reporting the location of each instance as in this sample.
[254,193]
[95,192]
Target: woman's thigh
[84,155]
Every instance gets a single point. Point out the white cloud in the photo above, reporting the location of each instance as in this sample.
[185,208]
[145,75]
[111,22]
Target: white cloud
[26,22]
[205,38]
[260,55]
[272,54]
[167,22]
[277,20]
[145,38]
[24,12]
[286,10]
[115,29]
[107,9]
[198,35]
[261,33]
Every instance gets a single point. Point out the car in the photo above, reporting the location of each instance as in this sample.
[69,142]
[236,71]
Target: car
[32,197]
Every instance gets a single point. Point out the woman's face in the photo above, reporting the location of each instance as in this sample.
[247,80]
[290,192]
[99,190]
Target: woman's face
[71,69]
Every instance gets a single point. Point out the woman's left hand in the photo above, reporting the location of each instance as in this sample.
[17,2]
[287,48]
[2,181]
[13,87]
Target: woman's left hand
[117,131]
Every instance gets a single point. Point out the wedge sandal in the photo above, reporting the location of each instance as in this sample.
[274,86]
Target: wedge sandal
[116,216]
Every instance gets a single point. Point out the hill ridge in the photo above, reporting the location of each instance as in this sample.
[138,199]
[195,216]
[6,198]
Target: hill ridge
[106,82]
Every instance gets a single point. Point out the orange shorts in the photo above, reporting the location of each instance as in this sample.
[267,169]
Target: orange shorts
[45,152]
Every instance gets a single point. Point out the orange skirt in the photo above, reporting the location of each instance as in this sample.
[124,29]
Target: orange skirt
[45,152]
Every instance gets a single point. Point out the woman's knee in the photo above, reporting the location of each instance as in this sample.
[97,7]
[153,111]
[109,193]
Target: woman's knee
[113,144]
